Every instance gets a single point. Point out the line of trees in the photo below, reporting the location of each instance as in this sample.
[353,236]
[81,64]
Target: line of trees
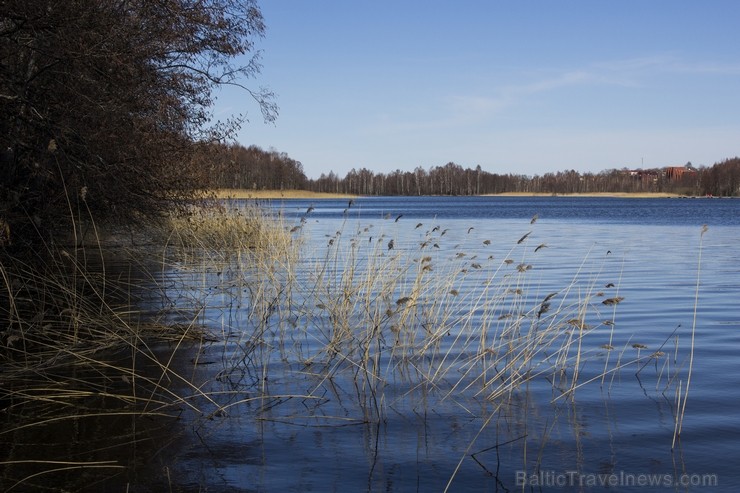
[721,179]
[236,166]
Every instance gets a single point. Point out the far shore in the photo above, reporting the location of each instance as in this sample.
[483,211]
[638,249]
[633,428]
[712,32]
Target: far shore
[233,193]
[632,195]
[305,194]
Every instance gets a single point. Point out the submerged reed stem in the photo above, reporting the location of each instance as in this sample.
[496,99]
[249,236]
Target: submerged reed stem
[682,403]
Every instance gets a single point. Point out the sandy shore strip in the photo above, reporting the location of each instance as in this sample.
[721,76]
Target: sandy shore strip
[629,195]
[305,194]
[232,193]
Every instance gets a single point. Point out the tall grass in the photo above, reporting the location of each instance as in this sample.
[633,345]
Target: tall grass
[390,318]
[385,316]
[92,335]
[397,316]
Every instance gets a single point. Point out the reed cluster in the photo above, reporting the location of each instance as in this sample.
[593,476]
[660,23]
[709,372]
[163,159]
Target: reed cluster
[229,311]
[93,338]
[388,316]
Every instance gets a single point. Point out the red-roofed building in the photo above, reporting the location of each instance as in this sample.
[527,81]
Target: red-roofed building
[677,172]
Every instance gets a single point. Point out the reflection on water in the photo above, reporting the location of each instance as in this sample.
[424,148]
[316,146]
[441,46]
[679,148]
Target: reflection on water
[474,351]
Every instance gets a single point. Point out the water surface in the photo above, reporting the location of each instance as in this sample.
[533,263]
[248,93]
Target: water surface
[430,410]
[620,427]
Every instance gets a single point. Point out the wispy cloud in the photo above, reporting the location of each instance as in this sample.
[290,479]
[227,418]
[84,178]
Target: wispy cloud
[458,110]
[501,98]
[665,64]
[715,68]
[635,65]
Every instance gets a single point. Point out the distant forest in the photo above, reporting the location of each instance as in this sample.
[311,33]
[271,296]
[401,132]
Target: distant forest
[236,166]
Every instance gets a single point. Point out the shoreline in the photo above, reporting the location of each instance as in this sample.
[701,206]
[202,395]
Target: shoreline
[305,194]
[627,195]
[233,193]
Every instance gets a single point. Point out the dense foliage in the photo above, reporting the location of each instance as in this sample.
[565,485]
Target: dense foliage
[104,102]
[722,179]
[251,168]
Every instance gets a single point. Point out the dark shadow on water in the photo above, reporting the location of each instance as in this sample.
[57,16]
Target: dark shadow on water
[113,414]
[120,435]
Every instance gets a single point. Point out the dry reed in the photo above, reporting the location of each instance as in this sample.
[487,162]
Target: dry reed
[386,319]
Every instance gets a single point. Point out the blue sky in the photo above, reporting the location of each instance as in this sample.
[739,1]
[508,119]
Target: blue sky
[523,86]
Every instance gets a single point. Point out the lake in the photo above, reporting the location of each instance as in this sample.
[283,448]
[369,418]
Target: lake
[445,344]
[500,344]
